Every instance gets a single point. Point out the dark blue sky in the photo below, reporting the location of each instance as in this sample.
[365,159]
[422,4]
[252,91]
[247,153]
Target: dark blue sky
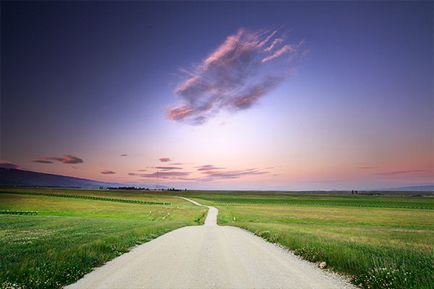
[95,79]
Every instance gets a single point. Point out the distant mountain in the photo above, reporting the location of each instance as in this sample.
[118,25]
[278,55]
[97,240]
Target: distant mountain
[417,188]
[21,178]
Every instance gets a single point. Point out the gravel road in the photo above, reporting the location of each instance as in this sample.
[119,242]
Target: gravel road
[209,256]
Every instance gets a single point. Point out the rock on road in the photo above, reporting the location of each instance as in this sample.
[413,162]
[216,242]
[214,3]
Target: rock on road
[209,256]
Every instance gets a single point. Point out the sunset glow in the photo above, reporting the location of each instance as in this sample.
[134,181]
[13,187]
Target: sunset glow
[229,96]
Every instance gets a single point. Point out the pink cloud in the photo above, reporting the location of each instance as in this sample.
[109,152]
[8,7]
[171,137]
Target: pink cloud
[164,175]
[167,168]
[107,172]
[43,161]
[403,172]
[164,160]
[67,159]
[251,96]
[275,42]
[180,112]
[208,168]
[235,76]
[367,167]
[234,174]
[208,173]
[212,173]
[280,52]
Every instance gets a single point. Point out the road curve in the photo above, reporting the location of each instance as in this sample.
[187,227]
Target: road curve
[211,217]
[209,257]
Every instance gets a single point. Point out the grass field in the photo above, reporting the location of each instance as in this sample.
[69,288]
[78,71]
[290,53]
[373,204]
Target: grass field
[52,237]
[49,238]
[379,241]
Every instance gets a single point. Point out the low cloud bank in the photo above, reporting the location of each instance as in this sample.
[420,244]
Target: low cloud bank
[66,159]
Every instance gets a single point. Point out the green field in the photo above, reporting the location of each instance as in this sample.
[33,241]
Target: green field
[378,241]
[49,238]
[52,237]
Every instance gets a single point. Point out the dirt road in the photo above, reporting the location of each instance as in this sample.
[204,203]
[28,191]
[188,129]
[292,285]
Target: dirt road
[209,256]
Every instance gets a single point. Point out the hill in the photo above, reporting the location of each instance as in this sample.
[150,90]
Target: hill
[22,178]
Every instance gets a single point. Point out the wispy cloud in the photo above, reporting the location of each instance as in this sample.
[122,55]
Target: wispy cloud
[162,175]
[107,172]
[244,68]
[204,173]
[208,168]
[168,168]
[231,174]
[403,172]
[164,160]
[286,49]
[124,155]
[66,159]
[368,167]
[43,161]
[274,44]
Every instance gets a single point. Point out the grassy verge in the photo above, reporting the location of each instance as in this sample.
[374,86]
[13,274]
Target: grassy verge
[379,241]
[47,241]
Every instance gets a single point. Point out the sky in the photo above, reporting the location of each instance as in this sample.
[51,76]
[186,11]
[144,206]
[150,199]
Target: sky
[220,95]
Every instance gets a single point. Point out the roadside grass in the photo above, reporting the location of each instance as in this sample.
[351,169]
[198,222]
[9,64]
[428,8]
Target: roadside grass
[378,241]
[63,238]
